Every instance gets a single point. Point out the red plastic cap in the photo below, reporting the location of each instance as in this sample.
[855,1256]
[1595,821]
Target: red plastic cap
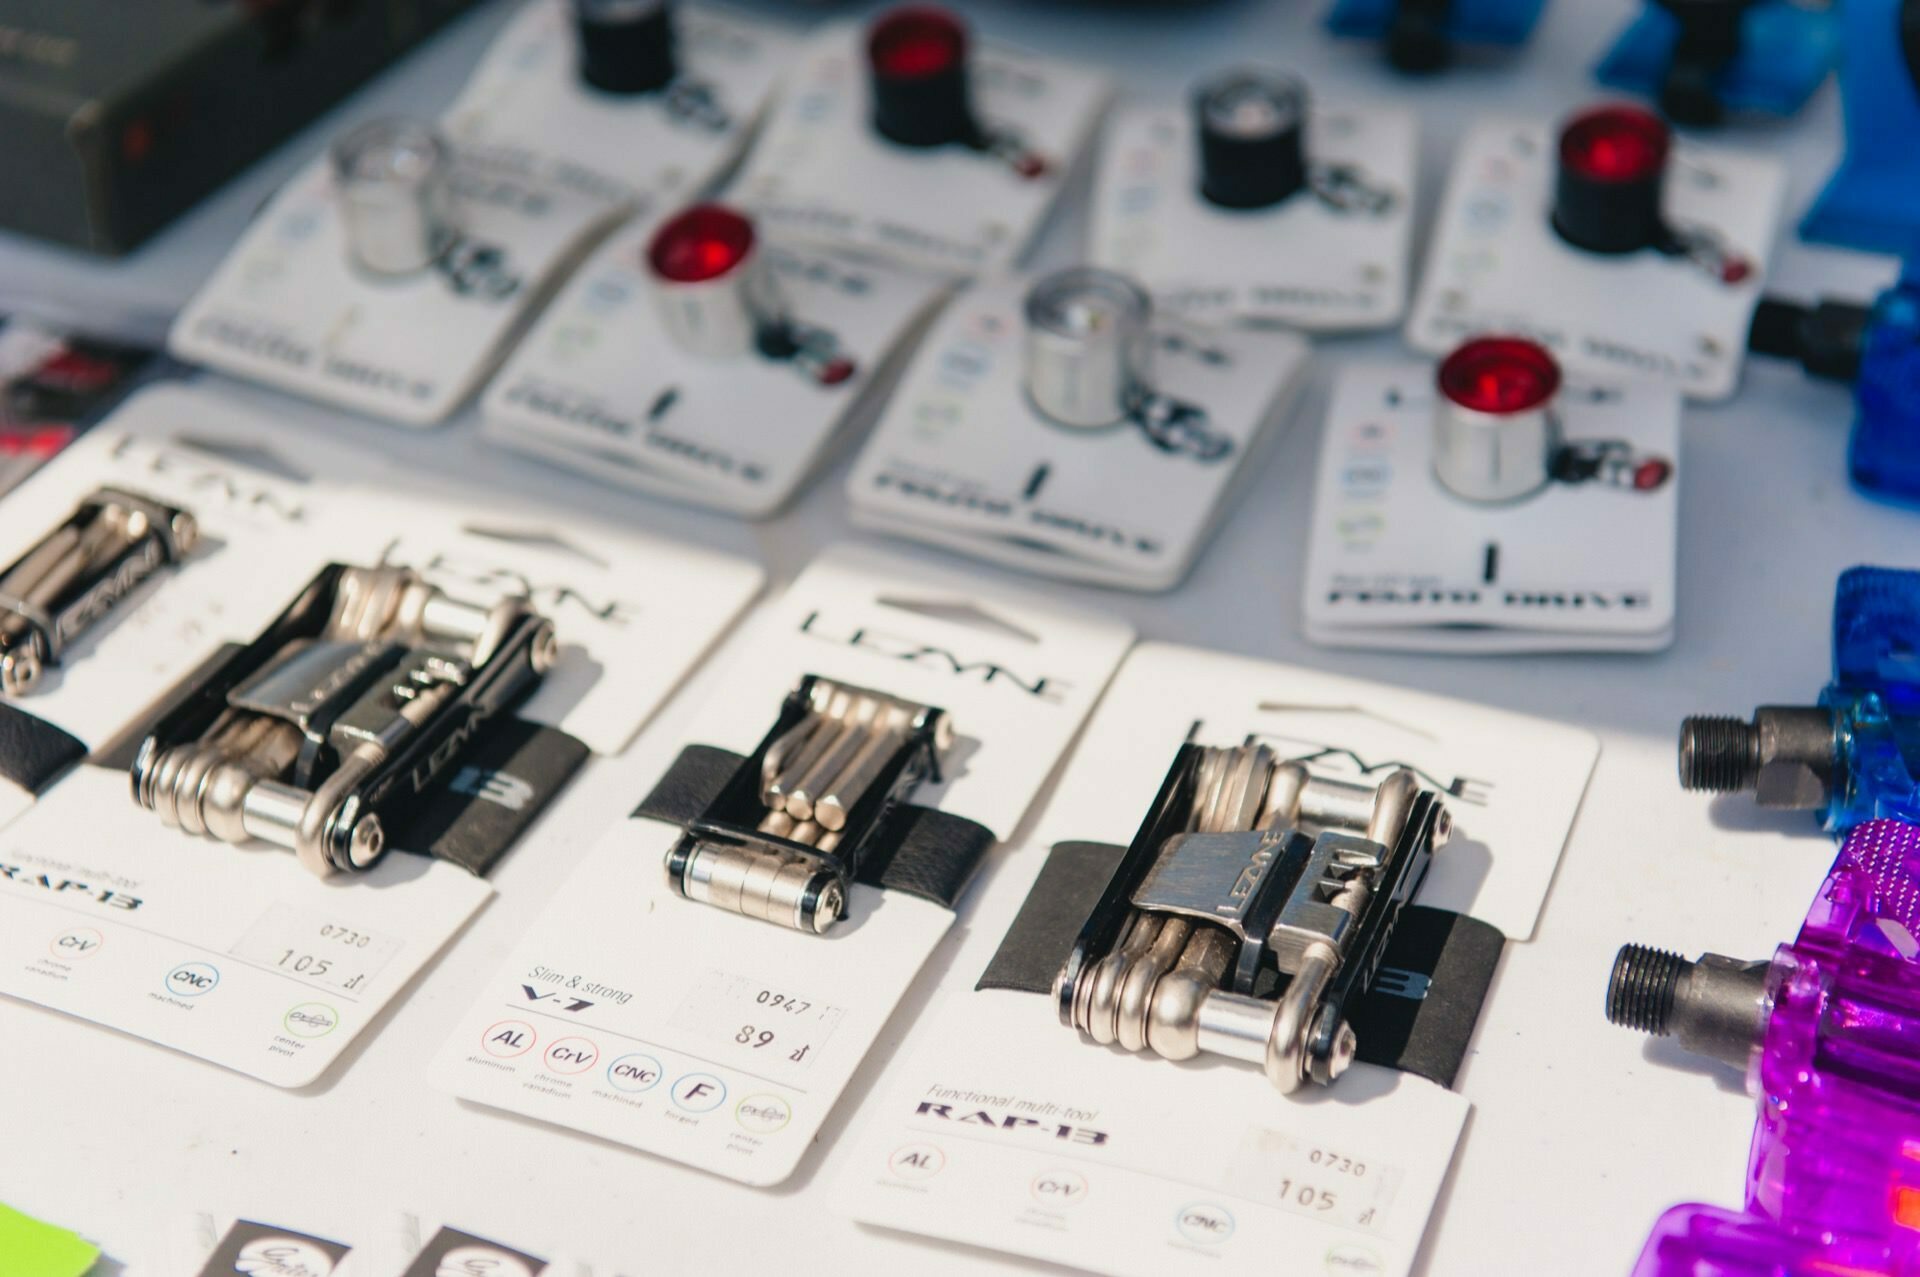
[1651,474]
[703,243]
[1616,144]
[1500,375]
[916,42]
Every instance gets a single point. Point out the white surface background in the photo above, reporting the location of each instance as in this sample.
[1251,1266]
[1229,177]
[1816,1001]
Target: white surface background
[1581,1133]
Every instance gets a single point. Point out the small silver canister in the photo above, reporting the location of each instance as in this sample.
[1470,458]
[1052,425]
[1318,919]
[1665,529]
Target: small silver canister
[712,285]
[1088,346]
[394,186]
[1495,431]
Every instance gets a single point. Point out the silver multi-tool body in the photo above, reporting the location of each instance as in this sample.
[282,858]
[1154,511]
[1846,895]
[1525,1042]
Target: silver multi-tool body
[1253,906]
[364,690]
[78,573]
[789,836]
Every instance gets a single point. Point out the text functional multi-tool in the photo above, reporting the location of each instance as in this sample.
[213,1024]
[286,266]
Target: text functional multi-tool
[320,733]
[1251,910]
[1853,756]
[79,572]
[1498,433]
[1704,60]
[718,297]
[820,805]
[1876,349]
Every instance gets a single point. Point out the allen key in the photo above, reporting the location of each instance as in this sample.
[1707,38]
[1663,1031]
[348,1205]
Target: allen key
[80,571]
[837,760]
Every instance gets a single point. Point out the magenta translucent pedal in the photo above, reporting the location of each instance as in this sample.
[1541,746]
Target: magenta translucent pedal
[1829,1033]
[1707,1241]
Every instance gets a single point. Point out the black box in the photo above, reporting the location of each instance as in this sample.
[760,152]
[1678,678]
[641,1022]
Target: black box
[116,116]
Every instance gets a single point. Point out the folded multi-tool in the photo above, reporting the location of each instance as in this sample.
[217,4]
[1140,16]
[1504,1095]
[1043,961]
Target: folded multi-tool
[1251,910]
[78,573]
[316,735]
[821,804]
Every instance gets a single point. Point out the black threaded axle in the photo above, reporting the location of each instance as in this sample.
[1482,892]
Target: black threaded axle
[1719,754]
[1641,989]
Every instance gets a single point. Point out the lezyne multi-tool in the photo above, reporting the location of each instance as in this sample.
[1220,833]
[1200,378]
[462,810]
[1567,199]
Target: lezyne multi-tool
[1252,908]
[78,572]
[804,817]
[346,707]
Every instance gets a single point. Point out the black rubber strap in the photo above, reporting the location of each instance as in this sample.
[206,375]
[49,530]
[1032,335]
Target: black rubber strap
[934,855]
[33,752]
[916,850]
[1418,1017]
[691,785]
[480,804]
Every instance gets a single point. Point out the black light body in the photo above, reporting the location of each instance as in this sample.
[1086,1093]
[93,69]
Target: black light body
[917,59]
[1612,179]
[1252,147]
[626,46]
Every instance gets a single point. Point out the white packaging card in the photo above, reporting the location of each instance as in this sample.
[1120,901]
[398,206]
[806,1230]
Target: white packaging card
[653,149]
[638,1016]
[1334,256]
[1007,1129]
[1395,560]
[962,458]
[600,387]
[821,172]
[633,613]
[1496,265]
[237,956]
[288,307]
[1002,1128]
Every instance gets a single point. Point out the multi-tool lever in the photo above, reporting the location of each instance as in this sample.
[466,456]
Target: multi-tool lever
[346,708]
[56,591]
[787,837]
[1251,910]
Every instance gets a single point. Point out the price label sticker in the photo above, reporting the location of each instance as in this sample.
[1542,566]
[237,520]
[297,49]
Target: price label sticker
[316,949]
[1316,1179]
[760,1026]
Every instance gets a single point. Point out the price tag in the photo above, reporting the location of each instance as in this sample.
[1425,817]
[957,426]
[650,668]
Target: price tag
[315,948]
[758,1025]
[1319,1180]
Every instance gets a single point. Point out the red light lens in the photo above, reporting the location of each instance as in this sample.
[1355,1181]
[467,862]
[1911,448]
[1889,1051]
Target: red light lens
[703,243]
[1651,474]
[1500,375]
[915,42]
[1616,144]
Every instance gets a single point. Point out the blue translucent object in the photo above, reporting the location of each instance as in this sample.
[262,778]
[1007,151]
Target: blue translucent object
[1785,52]
[1504,22]
[1875,696]
[1872,202]
[1884,457]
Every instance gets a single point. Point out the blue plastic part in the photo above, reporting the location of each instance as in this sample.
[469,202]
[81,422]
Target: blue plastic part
[1884,457]
[1872,202]
[1502,22]
[1875,696]
[1785,54]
